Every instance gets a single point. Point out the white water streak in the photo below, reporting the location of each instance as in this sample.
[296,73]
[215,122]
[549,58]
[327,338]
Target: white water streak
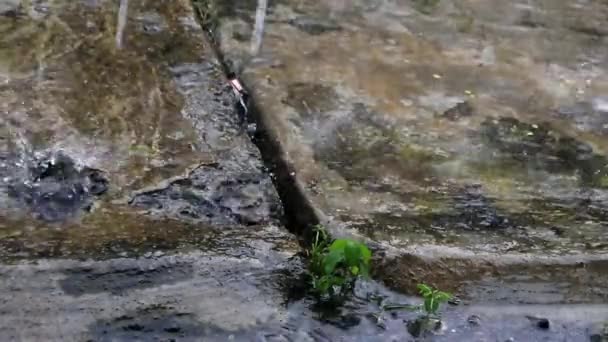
[122,22]
[258,31]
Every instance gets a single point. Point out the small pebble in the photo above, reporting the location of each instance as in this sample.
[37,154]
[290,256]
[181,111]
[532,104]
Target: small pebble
[543,323]
[252,128]
[474,320]
[454,301]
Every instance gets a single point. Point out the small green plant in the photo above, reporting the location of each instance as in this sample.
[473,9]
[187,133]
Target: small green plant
[336,266]
[433,299]
[318,249]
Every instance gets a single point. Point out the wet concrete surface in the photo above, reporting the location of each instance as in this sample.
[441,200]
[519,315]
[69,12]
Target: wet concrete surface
[214,297]
[462,139]
[112,127]
[133,205]
[403,113]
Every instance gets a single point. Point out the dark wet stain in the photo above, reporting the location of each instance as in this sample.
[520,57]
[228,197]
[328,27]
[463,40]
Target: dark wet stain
[426,6]
[528,19]
[423,326]
[216,195]
[539,146]
[461,110]
[314,26]
[475,211]
[123,277]
[469,210]
[589,29]
[11,9]
[155,322]
[558,231]
[310,99]
[345,322]
[13,14]
[367,146]
[563,212]
[58,189]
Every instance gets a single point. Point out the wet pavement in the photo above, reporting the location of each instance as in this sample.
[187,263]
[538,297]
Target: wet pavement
[108,128]
[430,130]
[132,203]
[464,140]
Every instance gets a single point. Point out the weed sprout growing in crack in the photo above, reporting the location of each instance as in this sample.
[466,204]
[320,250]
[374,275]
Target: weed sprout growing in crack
[433,299]
[430,320]
[336,265]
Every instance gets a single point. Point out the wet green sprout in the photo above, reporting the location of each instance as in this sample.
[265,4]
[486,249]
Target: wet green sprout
[335,266]
[433,299]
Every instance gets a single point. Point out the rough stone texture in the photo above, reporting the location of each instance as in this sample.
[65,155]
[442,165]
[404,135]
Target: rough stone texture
[472,126]
[187,297]
[147,115]
[238,294]
[186,243]
[127,152]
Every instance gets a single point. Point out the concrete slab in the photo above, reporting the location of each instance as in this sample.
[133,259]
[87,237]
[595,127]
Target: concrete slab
[460,131]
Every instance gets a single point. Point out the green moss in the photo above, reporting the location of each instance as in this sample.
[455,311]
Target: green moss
[465,24]
[602,181]
[426,6]
[416,154]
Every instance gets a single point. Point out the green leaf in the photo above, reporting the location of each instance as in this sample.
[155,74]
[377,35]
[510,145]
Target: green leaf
[354,270]
[428,304]
[337,281]
[331,260]
[424,290]
[338,245]
[352,253]
[434,305]
[442,296]
[366,254]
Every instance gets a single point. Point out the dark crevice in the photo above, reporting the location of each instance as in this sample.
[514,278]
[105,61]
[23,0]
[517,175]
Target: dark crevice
[300,215]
